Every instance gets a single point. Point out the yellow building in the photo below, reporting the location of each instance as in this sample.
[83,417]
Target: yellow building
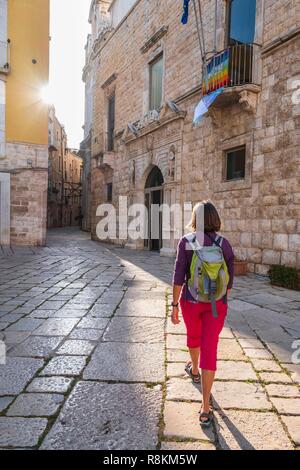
[24,72]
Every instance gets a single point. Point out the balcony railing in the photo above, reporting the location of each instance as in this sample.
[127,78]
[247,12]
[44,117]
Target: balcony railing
[235,66]
[4,56]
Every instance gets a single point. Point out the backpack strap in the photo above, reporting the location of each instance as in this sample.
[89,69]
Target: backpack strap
[192,239]
[217,241]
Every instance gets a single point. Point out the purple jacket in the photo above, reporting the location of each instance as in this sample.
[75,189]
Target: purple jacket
[184,259]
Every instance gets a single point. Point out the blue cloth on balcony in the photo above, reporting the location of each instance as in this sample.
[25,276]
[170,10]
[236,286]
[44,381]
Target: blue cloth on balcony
[205,103]
[185,15]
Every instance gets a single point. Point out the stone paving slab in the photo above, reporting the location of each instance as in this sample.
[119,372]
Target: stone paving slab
[90,322]
[250,431]
[86,334]
[265,365]
[251,343]
[57,327]
[76,348]
[35,404]
[17,372]
[183,389]
[174,355]
[240,395]
[258,353]
[282,352]
[287,406]
[37,346]
[182,421]
[175,329]
[294,370]
[142,308]
[4,402]
[286,391]
[135,330]
[21,432]
[70,313]
[107,417]
[183,446]
[50,385]
[101,311]
[176,342]
[65,365]
[127,362]
[230,349]
[176,369]
[234,370]
[293,426]
[14,337]
[25,324]
[275,377]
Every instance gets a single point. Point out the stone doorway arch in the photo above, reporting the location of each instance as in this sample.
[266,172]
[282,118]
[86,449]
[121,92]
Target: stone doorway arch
[153,201]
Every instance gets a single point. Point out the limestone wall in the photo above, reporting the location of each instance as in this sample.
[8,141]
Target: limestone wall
[260,213]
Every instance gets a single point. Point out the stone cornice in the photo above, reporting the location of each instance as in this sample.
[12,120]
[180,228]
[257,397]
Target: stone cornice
[155,125]
[154,38]
[109,81]
[295,33]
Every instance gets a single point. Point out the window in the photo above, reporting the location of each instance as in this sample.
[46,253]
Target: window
[241,17]
[109,189]
[111,123]
[236,164]
[156,83]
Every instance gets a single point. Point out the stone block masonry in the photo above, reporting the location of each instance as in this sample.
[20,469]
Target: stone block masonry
[261,211]
[27,165]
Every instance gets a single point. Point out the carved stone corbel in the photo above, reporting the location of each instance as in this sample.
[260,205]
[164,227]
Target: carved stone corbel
[248,101]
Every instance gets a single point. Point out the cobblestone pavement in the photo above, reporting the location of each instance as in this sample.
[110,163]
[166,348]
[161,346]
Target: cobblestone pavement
[94,362]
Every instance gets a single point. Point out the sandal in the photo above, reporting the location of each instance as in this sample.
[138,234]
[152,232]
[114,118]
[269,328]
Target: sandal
[189,370]
[208,419]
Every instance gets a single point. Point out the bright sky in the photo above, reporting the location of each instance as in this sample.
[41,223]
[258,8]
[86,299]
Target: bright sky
[69,30]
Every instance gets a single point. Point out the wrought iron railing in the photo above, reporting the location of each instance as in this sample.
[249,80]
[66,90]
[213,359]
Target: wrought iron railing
[4,56]
[232,67]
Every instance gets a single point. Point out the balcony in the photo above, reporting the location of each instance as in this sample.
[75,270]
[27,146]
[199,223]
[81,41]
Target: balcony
[4,57]
[237,70]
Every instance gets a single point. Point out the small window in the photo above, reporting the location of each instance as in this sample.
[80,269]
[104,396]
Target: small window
[236,164]
[111,123]
[109,192]
[156,83]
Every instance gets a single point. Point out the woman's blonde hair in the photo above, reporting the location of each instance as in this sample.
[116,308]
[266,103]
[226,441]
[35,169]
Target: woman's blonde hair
[205,217]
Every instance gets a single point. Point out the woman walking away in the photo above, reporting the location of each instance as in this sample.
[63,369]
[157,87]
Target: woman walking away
[203,277]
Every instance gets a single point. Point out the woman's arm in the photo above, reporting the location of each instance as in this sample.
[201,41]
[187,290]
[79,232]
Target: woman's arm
[179,275]
[175,310]
[229,259]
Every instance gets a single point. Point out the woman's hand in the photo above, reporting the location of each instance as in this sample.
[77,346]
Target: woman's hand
[175,316]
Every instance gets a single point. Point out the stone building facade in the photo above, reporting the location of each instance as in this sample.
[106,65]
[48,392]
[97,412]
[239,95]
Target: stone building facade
[65,177]
[245,153]
[24,70]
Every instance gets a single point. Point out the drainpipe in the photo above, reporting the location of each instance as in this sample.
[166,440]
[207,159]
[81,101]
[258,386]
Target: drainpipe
[216,25]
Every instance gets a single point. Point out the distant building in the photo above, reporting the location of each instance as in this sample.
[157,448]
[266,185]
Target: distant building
[145,75]
[24,70]
[65,177]
[72,214]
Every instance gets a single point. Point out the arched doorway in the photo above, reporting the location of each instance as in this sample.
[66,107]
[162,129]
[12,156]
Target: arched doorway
[153,201]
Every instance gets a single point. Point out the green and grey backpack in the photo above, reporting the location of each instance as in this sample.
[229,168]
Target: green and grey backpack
[209,276]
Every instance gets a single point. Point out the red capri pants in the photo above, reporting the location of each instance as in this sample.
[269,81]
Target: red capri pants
[203,330]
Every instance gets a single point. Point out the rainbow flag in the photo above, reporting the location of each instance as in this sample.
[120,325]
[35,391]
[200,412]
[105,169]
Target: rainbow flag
[216,73]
